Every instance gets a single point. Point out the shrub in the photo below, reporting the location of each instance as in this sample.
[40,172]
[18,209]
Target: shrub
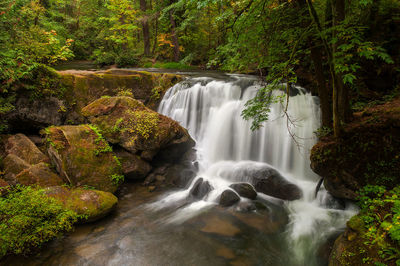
[127,60]
[29,218]
[104,58]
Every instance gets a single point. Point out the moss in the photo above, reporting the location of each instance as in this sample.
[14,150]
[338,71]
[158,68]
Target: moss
[87,158]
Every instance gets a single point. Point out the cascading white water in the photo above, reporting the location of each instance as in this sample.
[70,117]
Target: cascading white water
[211,110]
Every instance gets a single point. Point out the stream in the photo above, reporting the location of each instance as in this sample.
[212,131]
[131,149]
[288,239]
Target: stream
[165,228]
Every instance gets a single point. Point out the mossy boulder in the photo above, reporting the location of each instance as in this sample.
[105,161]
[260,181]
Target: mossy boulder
[22,147]
[87,86]
[39,174]
[89,203]
[25,164]
[128,123]
[82,157]
[368,152]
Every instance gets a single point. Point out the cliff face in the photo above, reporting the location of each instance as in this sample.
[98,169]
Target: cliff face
[79,88]
[367,153]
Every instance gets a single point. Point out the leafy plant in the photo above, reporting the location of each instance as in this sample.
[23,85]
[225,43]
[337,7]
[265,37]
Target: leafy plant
[29,218]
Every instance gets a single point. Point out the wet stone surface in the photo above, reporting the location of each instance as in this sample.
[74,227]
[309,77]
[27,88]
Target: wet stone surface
[136,235]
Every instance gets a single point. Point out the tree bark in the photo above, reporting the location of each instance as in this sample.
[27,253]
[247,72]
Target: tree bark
[339,15]
[145,28]
[323,88]
[175,41]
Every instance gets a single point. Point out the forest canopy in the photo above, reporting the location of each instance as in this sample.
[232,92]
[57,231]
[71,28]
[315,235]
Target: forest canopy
[342,49]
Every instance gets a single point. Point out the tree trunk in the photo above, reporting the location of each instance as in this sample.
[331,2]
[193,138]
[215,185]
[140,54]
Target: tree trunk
[175,41]
[155,33]
[145,28]
[323,88]
[339,14]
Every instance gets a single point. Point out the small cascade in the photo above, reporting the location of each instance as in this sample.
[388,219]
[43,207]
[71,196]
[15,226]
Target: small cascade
[229,152]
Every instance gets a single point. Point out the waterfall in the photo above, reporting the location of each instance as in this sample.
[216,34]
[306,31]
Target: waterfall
[211,111]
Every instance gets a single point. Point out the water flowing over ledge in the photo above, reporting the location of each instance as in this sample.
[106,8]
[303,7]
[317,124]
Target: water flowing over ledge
[228,152]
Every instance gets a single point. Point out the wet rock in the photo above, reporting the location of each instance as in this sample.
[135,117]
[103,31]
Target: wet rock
[263,177]
[272,183]
[244,190]
[93,204]
[133,166]
[200,189]
[83,157]
[21,146]
[246,206]
[228,198]
[128,123]
[179,175]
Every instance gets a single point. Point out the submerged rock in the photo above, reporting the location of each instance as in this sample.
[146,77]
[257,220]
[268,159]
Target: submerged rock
[83,157]
[200,189]
[228,198]
[244,190]
[92,204]
[128,123]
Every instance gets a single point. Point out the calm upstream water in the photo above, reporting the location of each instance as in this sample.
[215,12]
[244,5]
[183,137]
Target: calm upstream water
[168,229]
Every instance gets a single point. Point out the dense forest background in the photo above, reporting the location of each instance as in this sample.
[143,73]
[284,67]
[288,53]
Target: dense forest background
[344,51]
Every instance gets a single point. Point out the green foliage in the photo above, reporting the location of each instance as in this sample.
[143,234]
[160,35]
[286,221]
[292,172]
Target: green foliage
[127,60]
[28,219]
[102,144]
[117,179]
[380,216]
[172,65]
[323,132]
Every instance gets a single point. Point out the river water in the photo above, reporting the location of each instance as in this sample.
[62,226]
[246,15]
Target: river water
[165,228]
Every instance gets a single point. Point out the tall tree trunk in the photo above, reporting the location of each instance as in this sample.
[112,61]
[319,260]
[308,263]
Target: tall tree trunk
[145,28]
[316,57]
[323,88]
[155,32]
[175,41]
[339,14]
[337,121]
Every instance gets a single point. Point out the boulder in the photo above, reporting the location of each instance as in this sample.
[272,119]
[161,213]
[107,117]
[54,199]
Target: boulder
[262,176]
[246,206]
[228,198]
[128,123]
[200,189]
[92,204]
[133,166]
[25,164]
[38,174]
[83,157]
[3,187]
[244,190]
[277,186]
[13,165]
[21,146]
[37,113]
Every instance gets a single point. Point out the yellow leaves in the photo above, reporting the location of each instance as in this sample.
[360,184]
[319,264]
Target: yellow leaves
[164,39]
